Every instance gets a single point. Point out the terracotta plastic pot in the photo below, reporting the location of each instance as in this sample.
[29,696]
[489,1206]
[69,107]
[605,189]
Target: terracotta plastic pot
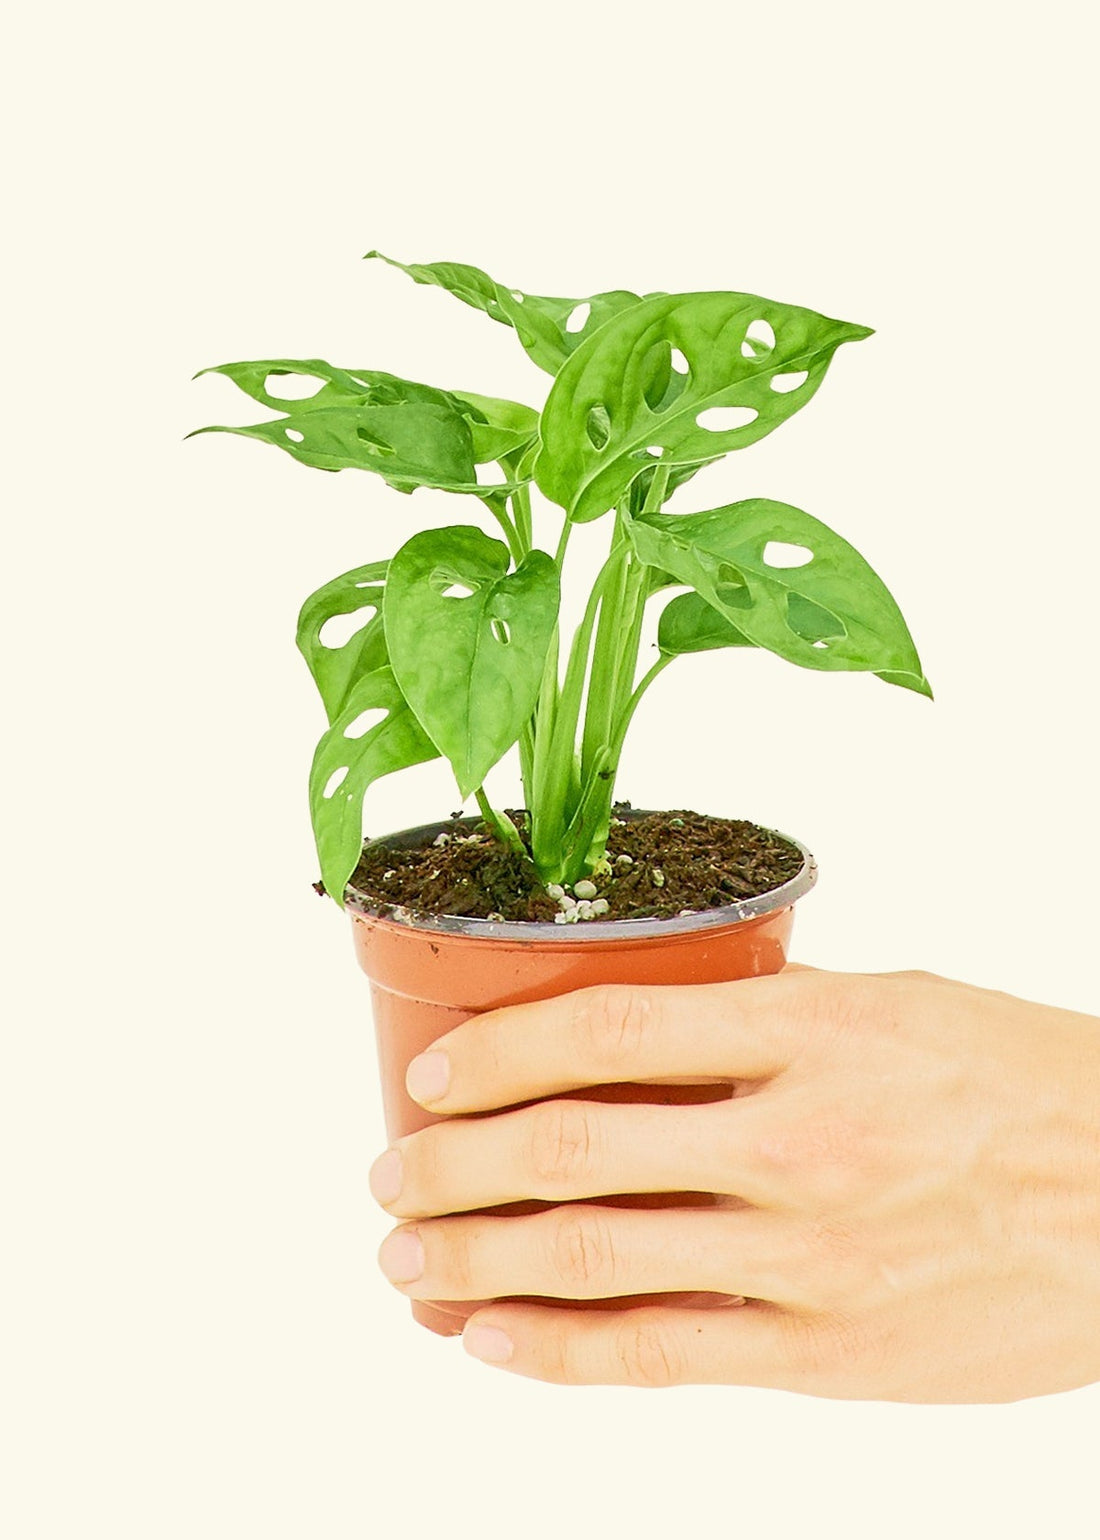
[427,978]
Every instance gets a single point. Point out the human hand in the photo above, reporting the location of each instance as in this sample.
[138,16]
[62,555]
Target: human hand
[907,1171]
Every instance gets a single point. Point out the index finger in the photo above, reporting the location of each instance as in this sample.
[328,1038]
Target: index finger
[610,1033]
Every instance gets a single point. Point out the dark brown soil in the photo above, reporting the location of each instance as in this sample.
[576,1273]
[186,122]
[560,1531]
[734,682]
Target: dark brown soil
[661,865]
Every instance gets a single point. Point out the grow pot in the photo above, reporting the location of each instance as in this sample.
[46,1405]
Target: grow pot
[427,977]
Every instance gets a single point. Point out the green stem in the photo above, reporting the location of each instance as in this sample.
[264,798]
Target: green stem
[615,655]
[600,703]
[504,829]
[627,714]
[593,816]
[546,711]
[521,512]
[657,488]
[559,555]
[527,757]
[552,785]
[515,544]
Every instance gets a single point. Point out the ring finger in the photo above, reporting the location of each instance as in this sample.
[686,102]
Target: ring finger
[593,1251]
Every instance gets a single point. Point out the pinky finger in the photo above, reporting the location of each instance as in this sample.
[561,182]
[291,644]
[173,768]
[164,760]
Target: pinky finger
[653,1346]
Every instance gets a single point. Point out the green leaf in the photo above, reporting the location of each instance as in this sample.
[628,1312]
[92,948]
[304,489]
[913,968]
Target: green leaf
[334,386]
[468,641]
[498,427]
[335,801]
[619,398]
[336,670]
[690,624]
[831,612]
[540,320]
[411,435]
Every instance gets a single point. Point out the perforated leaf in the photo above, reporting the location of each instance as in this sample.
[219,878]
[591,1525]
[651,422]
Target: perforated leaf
[620,397]
[392,743]
[541,321]
[468,640]
[336,669]
[412,435]
[833,612]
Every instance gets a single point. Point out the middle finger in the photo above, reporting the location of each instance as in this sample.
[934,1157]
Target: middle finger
[564,1149]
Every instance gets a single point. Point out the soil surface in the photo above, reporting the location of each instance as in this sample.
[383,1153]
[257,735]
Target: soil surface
[661,865]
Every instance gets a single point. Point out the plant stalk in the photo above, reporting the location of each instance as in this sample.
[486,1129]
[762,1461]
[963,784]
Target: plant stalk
[511,535]
[553,785]
[504,829]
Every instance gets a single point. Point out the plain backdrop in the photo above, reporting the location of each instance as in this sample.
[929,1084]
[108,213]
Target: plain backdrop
[197,1340]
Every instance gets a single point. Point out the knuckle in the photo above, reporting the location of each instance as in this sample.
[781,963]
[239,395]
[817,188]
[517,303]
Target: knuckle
[558,1359]
[563,1143]
[646,1353]
[455,1245]
[610,1024]
[922,975]
[424,1168]
[827,1155]
[823,1351]
[822,1007]
[583,1252]
[838,1270]
[849,1004]
[831,1242]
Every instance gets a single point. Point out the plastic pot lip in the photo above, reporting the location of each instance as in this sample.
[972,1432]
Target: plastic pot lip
[587,931]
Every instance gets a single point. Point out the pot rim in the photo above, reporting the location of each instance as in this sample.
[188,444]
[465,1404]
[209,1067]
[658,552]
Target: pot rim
[590,931]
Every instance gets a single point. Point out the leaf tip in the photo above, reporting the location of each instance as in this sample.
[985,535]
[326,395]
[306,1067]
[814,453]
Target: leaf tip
[906,680]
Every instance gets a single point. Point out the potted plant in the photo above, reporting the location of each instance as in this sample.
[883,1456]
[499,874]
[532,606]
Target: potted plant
[460,654]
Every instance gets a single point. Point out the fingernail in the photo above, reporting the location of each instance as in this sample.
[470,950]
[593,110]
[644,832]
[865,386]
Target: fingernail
[385,1177]
[402,1256]
[488,1343]
[428,1076]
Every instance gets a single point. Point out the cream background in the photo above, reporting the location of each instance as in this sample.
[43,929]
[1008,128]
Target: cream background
[197,1341]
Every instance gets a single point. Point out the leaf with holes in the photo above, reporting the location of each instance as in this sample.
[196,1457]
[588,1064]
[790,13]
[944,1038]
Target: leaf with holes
[411,435]
[317,385]
[337,668]
[830,612]
[690,624]
[355,752]
[468,640]
[549,329]
[691,376]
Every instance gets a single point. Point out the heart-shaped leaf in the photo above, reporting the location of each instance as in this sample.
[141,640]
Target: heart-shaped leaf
[353,754]
[336,670]
[411,435]
[468,641]
[549,328]
[680,377]
[690,624]
[830,612]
